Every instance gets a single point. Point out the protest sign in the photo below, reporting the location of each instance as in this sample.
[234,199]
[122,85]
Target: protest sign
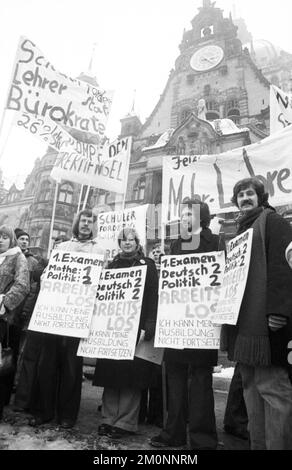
[59,138]
[211,178]
[68,290]
[189,287]
[234,279]
[107,169]
[280,109]
[115,321]
[47,101]
[109,225]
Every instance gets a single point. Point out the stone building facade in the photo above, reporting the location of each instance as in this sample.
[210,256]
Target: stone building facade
[215,99]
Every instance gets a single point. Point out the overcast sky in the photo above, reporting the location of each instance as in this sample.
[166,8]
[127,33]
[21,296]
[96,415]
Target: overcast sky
[137,44]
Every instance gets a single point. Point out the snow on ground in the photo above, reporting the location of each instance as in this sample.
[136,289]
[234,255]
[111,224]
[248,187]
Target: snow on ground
[25,437]
[223,372]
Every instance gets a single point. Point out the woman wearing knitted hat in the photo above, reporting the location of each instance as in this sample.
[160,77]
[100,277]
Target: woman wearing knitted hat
[14,286]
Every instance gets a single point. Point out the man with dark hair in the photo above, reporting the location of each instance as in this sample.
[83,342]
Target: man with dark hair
[259,340]
[24,376]
[59,380]
[189,371]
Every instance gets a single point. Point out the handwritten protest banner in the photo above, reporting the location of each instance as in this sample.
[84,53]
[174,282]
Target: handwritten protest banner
[46,100]
[108,170]
[116,316]
[211,178]
[68,290]
[234,279]
[280,109]
[189,287]
[109,225]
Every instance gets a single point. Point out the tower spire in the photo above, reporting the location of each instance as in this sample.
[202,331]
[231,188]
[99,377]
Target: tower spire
[89,70]
[132,112]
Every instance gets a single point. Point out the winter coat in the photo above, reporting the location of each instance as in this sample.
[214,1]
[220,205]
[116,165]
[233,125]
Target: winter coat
[278,297]
[137,372]
[14,282]
[197,357]
[28,304]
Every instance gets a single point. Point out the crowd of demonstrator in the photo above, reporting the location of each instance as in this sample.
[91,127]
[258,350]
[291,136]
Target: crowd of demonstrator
[47,376]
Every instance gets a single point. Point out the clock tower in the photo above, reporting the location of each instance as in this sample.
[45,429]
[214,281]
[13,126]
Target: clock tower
[213,66]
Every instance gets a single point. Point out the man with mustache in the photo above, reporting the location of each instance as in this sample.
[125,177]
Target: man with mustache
[258,342]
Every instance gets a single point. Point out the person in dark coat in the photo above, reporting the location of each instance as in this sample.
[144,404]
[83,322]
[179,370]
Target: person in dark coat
[151,407]
[124,380]
[259,340]
[58,382]
[23,369]
[235,419]
[14,287]
[191,366]
[32,346]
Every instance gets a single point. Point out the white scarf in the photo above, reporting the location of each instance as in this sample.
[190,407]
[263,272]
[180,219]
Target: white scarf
[9,252]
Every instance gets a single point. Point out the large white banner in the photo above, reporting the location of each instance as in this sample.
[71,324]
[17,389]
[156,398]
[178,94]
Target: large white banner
[211,178]
[68,290]
[234,279]
[48,103]
[108,169]
[109,225]
[189,287]
[116,316]
[39,91]
[280,109]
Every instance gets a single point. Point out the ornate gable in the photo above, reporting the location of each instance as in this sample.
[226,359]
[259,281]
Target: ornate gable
[193,137]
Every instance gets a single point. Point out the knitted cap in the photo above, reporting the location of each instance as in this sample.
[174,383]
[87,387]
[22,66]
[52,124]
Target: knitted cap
[19,233]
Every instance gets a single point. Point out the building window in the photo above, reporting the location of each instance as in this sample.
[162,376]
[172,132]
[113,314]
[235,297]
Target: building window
[181,146]
[231,104]
[45,192]
[66,193]
[35,237]
[234,115]
[233,111]
[212,106]
[139,189]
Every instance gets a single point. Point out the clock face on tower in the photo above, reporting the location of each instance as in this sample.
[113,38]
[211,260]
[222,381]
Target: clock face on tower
[206,58]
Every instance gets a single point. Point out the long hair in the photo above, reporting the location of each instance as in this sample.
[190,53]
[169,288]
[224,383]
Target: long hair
[205,217]
[9,231]
[75,226]
[257,185]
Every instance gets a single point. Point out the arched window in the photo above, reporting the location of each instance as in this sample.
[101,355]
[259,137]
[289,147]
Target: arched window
[234,115]
[66,193]
[184,114]
[233,111]
[212,110]
[139,189]
[45,192]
